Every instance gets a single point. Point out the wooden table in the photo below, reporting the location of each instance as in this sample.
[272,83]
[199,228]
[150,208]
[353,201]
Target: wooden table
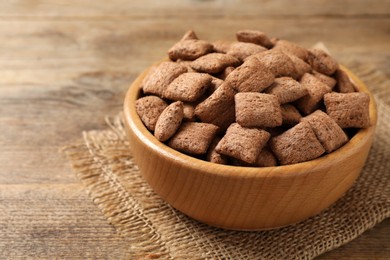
[64,65]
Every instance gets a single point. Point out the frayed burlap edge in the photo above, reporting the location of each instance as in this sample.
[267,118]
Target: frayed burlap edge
[103,163]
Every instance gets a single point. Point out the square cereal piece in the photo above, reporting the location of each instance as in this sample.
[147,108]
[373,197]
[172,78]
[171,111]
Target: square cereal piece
[190,49]
[188,112]
[218,108]
[348,109]
[287,90]
[213,156]
[322,62]
[253,36]
[292,48]
[242,50]
[193,137]
[298,144]
[221,46]
[161,77]
[255,109]
[188,87]
[187,64]
[290,114]
[331,82]
[344,84]
[274,40]
[328,132]
[189,35]
[215,83]
[279,63]
[214,63]
[301,67]
[266,158]
[251,76]
[169,121]
[149,109]
[316,91]
[223,75]
[243,143]
[150,72]
[224,121]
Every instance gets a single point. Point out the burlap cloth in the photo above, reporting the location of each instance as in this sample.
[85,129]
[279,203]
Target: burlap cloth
[103,162]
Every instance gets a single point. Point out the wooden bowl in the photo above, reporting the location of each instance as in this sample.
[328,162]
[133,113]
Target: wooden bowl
[246,198]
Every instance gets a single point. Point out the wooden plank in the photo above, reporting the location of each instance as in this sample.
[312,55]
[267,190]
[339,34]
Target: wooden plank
[27,165]
[200,8]
[46,221]
[37,120]
[54,221]
[134,44]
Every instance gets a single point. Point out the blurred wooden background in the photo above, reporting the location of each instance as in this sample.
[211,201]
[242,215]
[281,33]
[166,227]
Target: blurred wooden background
[64,65]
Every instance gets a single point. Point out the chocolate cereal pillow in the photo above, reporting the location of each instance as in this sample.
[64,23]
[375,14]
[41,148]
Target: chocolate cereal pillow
[257,101]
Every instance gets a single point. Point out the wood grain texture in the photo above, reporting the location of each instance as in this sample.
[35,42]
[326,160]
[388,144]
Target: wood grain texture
[43,221]
[65,65]
[232,8]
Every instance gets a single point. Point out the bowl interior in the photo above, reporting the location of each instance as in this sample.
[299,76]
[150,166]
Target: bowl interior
[142,132]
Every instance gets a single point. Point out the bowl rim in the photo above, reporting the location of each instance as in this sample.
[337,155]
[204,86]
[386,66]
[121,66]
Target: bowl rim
[133,122]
